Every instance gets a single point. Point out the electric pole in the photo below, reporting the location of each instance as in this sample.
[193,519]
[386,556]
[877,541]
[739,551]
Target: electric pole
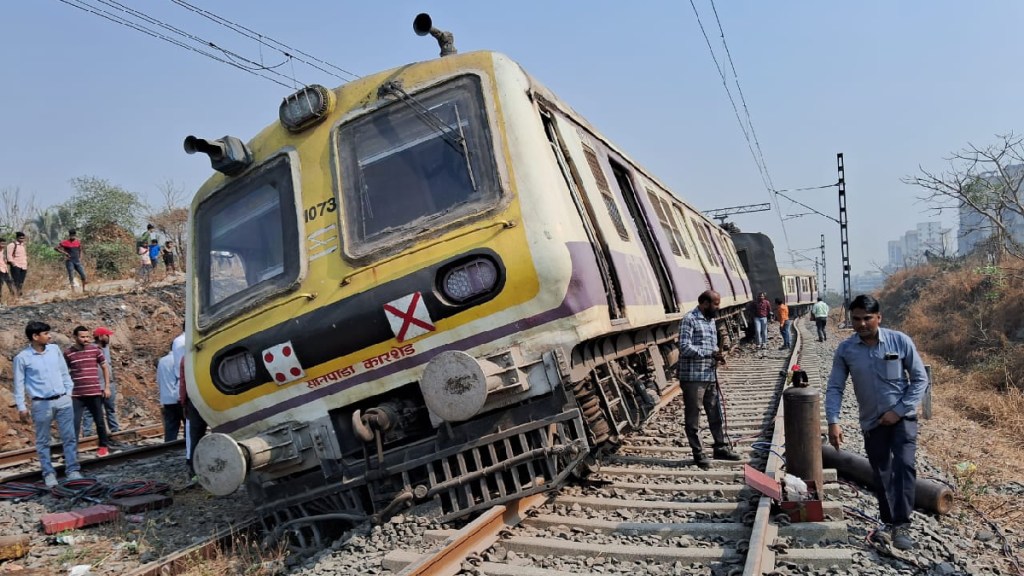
[824,276]
[844,238]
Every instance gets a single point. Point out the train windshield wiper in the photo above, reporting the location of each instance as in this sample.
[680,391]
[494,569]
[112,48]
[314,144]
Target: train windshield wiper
[453,135]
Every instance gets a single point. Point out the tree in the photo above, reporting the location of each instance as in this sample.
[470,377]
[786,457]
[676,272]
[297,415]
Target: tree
[986,183]
[15,211]
[50,226]
[172,220]
[98,204]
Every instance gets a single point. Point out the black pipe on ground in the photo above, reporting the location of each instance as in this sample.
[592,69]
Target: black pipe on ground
[929,495]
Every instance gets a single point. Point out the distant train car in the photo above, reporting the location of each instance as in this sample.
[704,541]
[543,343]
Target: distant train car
[435,283]
[801,289]
[798,288]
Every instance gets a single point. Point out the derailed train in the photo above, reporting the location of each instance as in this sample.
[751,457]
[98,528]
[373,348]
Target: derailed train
[437,284]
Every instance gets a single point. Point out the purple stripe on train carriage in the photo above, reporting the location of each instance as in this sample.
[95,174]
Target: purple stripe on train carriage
[585,291]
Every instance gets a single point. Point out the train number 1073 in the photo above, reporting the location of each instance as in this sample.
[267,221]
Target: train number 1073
[319,209]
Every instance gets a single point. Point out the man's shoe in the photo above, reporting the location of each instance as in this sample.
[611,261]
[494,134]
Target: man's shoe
[76,475]
[102,451]
[726,454]
[901,538]
[50,480]
[701,461]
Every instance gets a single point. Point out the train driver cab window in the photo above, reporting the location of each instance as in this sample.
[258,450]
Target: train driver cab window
[417,164]
[250,237]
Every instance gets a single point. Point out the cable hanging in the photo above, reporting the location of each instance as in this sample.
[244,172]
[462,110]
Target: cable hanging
[753,144]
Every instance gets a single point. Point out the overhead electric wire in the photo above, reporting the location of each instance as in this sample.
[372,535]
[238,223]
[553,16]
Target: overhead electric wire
[267,41]
[139,27]
[748,133]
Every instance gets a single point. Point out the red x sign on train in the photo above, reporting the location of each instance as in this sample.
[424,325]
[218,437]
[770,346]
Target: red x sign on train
[408,317]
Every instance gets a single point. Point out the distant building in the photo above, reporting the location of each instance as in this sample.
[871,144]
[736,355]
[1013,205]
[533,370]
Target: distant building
[867,283]
[911,248]
[975,228]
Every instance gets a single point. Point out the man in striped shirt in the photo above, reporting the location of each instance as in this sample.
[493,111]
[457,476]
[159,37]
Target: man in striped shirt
[698,354]
[85,363]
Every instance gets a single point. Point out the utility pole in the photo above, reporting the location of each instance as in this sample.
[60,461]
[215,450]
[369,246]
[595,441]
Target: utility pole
[824,276]
[844,238]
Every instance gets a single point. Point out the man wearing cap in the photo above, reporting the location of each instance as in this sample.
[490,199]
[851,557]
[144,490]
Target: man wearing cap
[101,336]
[40,371]
[17,261]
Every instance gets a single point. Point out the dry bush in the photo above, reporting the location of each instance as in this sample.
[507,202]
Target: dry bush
[969,316]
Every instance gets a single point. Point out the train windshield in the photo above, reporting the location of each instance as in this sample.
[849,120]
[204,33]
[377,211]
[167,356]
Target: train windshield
[246,239]
[418,164]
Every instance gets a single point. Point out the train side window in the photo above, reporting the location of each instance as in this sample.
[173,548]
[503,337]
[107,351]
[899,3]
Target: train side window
[606,193]
[666,225]
[415,165]
[705,242]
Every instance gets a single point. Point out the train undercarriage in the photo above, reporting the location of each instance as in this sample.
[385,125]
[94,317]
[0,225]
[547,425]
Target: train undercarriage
[610,385]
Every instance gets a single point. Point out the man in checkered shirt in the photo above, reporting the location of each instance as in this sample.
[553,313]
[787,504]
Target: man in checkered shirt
[698,354]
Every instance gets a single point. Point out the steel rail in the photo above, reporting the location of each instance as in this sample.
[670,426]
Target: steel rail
[760,558]
[474,538]
[26,455]
[96,462]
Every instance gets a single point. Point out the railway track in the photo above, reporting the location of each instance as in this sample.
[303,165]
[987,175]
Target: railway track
[648,509]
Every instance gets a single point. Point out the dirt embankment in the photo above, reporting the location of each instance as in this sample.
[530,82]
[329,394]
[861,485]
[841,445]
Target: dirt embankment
[144,324]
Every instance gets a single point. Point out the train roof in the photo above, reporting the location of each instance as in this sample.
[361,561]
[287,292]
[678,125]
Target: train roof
[795,272]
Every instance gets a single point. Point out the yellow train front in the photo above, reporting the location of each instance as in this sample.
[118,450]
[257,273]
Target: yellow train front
[433,284]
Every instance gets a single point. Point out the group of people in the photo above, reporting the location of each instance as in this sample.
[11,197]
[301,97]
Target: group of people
[889,381]
[14,259]
[75,388]
[761,311]
[151,253]
[63,386]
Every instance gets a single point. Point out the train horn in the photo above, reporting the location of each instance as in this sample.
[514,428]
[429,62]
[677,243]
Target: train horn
[423,25]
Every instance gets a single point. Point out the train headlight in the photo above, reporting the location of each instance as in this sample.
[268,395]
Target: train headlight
[306,107]
[236,369]
[478,276]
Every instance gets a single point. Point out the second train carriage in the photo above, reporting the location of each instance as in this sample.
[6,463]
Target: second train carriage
[437,282]
[797,288]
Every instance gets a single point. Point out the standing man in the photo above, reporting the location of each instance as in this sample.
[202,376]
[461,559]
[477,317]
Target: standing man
[762,309]
[5,271]
[86,363]
[169,266]
[40,369]
[17,261]
[101,336]
[71,248]
[820,313]
[698,351]
[784,323]
[877,360]
[170,406]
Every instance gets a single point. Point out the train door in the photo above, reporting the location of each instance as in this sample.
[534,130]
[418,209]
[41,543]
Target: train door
[716,246]
[643,228]
[602,253]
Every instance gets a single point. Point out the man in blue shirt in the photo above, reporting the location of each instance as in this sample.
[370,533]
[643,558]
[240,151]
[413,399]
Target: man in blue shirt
[698,354]
[40,370]
[876,359]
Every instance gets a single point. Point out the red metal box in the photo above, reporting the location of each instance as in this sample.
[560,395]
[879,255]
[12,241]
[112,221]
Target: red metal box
[798,511]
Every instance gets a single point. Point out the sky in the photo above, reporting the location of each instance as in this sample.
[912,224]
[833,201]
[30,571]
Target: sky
[894,86]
